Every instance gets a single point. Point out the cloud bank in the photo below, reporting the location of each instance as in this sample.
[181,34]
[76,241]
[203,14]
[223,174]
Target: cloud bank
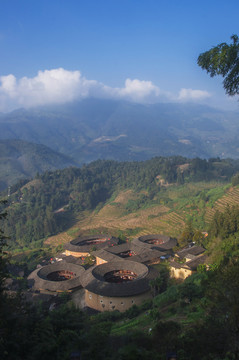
[190,94]
[59,86]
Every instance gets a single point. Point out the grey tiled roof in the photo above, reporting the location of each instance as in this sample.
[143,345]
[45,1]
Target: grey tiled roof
[167,242]
[193,264]
[94,279]
[120,248]
[148,255]
[194,250]
[176,265]
[105,255]
[142,254]
[38,278]
[77,245]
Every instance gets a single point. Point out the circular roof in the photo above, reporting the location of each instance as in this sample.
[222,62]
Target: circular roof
[94,279]
[100,271]
[87,243]
[155,241]
[40,279]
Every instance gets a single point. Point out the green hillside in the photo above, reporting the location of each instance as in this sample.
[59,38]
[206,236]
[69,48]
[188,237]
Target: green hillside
[132,198]
[22,160]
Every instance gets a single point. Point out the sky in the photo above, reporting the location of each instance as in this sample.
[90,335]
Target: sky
[56,51]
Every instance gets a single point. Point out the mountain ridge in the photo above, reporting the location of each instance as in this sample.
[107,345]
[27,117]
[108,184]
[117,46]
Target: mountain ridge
[149,130]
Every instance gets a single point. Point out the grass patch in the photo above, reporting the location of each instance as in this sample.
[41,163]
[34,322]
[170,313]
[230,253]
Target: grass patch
[167,297]
[133,232]
[73,232]
[137,323]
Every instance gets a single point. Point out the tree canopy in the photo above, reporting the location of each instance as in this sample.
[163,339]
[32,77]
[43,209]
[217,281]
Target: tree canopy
[2,253]
[223,60]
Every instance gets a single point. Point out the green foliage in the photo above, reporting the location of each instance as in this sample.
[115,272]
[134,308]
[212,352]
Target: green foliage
[30,258]
[214,194]
[3,260]
[190,290]
[134,352]
[167,297]
[223,60]
[89,261]
[166,335]
[222,302]
[160,283]
[190,234]
[225,224]
[121,236]
[134,205]
[198,237]
[187,235]
[132,312]
[235,180]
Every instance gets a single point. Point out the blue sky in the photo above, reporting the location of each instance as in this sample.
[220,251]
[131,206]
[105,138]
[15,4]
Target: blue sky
[139,50]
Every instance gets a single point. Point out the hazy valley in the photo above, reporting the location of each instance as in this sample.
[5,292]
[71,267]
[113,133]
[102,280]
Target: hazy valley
[105,129]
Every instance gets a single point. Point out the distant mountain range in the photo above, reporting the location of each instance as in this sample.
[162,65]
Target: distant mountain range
[107,129]
[21,159]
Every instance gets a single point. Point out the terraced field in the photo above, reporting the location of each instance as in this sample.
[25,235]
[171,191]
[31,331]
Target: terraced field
[230,198]
[182,203]
[59,239]
[174,220]
[109,218]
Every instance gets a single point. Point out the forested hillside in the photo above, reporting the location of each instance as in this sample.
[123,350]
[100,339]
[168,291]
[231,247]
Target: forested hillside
[52,201]
[22,160]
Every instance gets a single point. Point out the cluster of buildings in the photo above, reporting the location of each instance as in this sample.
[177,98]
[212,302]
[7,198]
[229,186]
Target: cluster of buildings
[121,274]
[186,261]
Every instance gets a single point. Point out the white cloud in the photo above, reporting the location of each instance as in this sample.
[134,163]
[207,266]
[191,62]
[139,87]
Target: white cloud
[190,94]
[138,90]
[9,85]
[49,86]
[60,86]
